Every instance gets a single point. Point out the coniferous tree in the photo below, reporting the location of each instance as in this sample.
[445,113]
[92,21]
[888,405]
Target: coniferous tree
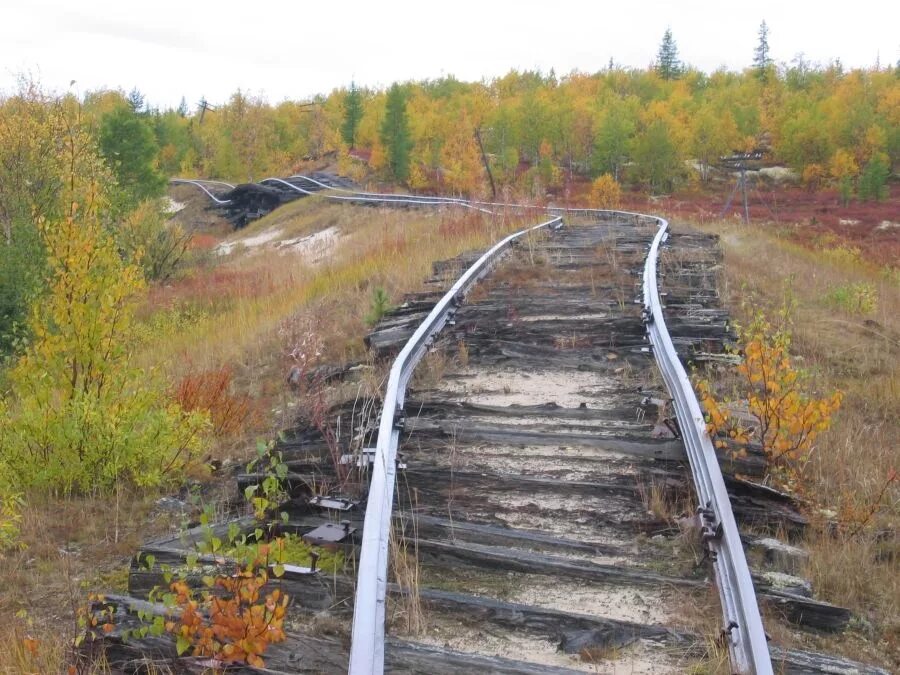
[395,136]
[761,58]
[136,100]
[182,108]
[130,148]
[667,64]
[353,112]
[873,180]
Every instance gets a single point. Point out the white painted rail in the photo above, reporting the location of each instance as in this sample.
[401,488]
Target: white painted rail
[743,630]
[367,644]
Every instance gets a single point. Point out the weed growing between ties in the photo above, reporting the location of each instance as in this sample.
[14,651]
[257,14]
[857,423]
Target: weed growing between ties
[406,570]
[221,602]
[381,305]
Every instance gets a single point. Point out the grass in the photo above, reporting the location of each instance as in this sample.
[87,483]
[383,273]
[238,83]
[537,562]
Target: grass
[860,355]
[71,546]
[254,313]
[260,292]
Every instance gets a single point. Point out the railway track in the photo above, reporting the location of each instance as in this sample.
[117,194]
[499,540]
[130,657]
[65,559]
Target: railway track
[533,465]
[531,489]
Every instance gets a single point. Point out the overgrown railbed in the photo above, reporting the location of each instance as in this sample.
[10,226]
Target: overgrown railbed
[449,510]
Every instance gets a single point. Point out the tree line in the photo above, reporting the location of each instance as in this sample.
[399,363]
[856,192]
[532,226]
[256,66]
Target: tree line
[655,128]
[537,129]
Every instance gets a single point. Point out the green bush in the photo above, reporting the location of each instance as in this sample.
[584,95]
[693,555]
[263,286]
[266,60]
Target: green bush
[80,417]
[873,180]
[381,305]
[22,266]
[146,238]
[857,298]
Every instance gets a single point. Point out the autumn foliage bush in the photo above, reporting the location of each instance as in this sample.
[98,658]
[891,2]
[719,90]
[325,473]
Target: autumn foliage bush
[605,192]
[783,417]
[80,416]
[233,619]
[210,392]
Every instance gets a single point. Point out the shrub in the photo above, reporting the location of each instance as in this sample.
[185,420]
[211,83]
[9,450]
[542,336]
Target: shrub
[10,519]
[381,305]
[81,416]
[148,240]
[858,298]
[605,192]
[843,169]
[845,256]
[209,392]
[787,419]
[813,176]
[873,180]
[230,621]
[22,263]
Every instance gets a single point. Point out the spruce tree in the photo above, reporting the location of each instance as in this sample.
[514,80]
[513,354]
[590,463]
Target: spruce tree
[353,113]
[667,64]
[761,59]
[129,147]
[136,100]
[873,180]
[395,135]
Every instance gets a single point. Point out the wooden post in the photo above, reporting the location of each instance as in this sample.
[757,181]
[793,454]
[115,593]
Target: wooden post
[744,193]
[484,159]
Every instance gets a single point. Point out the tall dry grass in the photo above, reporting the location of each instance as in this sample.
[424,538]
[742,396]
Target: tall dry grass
[392,249]
[854,565]
[252,315]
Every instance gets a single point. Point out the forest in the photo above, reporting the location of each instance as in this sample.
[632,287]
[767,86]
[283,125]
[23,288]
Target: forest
[539,130]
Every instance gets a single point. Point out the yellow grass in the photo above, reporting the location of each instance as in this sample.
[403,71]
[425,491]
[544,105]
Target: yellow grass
[859,354]
[390,248]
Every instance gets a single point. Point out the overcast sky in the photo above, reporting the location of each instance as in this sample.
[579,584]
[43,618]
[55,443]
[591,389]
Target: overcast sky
[193,48]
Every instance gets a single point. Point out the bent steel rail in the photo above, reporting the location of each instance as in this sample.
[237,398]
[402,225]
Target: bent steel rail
[201,184]
[367,644]
[743,626]
[374,197]
[743,631]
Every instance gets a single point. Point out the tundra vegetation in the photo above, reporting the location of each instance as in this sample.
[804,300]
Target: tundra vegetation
[136,358]
[816,387]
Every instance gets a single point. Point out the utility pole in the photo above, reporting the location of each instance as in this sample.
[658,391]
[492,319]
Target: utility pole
[204,106]
[484,159]
[739,160]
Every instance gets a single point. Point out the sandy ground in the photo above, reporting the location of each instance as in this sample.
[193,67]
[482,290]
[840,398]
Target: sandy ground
[314,247]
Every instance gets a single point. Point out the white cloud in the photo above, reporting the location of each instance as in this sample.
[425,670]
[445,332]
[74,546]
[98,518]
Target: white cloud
[171,48]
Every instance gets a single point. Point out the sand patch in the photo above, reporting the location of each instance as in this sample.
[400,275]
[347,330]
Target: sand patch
[226,247]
